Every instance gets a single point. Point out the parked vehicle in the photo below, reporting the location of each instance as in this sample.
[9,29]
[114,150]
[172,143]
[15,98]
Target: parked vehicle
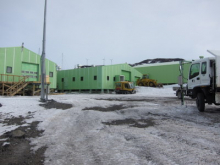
[124,87]
[203,81]
[146,81]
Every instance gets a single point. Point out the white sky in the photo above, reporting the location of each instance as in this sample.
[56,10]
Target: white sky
[88,31]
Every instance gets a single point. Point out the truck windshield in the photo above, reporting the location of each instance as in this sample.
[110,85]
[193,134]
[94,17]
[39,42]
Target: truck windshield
[145,76]
[118,84]
[194,70]
[131,85]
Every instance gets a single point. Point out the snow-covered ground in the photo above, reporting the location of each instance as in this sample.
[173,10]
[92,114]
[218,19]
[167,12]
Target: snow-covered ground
[149,127]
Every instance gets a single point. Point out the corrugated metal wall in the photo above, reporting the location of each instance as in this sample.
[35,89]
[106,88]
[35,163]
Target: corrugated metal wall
[20,59]
[164,73]
[94,78]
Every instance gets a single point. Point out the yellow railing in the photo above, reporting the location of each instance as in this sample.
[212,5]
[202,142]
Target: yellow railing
[10,78]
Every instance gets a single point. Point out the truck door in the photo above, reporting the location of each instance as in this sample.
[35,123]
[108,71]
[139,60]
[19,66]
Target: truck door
[194,76]
[205,79]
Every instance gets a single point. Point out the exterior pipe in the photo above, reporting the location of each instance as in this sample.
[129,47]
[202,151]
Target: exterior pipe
[43,58]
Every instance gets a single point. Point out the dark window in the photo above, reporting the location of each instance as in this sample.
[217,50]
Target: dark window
[31,72]
[74,79]
[108,78]
[9,69]
[51,74]
[27,71]
[194,70]
[95,77]
[114,79]
[203,68]
[81,78]
[62,79]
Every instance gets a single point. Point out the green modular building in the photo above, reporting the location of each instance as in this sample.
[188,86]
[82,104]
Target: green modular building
[98,78]
[165,73]
[16,62]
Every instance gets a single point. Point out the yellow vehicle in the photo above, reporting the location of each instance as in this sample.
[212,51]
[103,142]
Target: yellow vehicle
[124,87]
[146,81]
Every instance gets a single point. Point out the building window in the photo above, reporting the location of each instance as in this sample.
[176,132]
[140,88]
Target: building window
[81,78]
[74,79]
[114,79]
[9,69]
[95,77]
[62,79]
[51,74]
[107,78]
[203,68]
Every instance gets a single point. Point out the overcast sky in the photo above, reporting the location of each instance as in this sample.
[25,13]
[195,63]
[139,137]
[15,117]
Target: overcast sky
[112,31]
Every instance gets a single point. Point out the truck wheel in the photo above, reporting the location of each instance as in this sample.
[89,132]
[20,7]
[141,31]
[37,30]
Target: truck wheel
[140,84]
[151,84]
[200,102]
[179,94]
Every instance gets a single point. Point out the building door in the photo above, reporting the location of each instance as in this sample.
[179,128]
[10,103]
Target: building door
[30,70]
[127,75]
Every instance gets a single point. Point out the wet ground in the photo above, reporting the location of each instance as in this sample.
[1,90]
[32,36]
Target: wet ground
[15,147]
[179,135]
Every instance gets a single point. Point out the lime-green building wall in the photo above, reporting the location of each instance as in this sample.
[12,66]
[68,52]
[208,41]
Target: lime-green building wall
[164,73]
[105,77]
[16,56]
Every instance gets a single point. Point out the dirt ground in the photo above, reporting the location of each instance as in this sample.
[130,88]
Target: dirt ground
[15,149]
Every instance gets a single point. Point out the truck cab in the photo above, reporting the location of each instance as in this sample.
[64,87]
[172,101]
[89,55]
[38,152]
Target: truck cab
[201,74]
[204,80]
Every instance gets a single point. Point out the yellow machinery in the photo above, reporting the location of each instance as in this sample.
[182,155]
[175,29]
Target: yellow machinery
[124,87]
[145,81]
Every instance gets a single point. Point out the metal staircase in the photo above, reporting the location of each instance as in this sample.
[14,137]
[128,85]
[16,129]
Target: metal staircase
[17,87]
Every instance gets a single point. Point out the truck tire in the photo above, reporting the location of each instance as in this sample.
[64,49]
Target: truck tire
[151,84]
[200,102]
[179,94]
[140,84]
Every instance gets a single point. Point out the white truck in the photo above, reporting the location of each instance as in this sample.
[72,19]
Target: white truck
[203,81]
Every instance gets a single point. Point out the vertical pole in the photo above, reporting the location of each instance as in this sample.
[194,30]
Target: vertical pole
[181,84]
[3,89]
[62,60]
[43,57]
[47,92]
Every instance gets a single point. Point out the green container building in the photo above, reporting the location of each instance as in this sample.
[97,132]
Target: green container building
[99,78]
[23,62]
[165,73]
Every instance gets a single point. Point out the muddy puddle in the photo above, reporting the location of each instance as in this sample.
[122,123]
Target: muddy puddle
[54,104]
[108,109]
[139,123]
[15,148]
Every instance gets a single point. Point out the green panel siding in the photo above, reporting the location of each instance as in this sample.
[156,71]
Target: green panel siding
[166,74]
[15,57]
[88,79]
[105,77]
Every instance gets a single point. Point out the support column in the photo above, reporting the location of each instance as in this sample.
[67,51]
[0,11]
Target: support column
[33,90]
[3,89]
